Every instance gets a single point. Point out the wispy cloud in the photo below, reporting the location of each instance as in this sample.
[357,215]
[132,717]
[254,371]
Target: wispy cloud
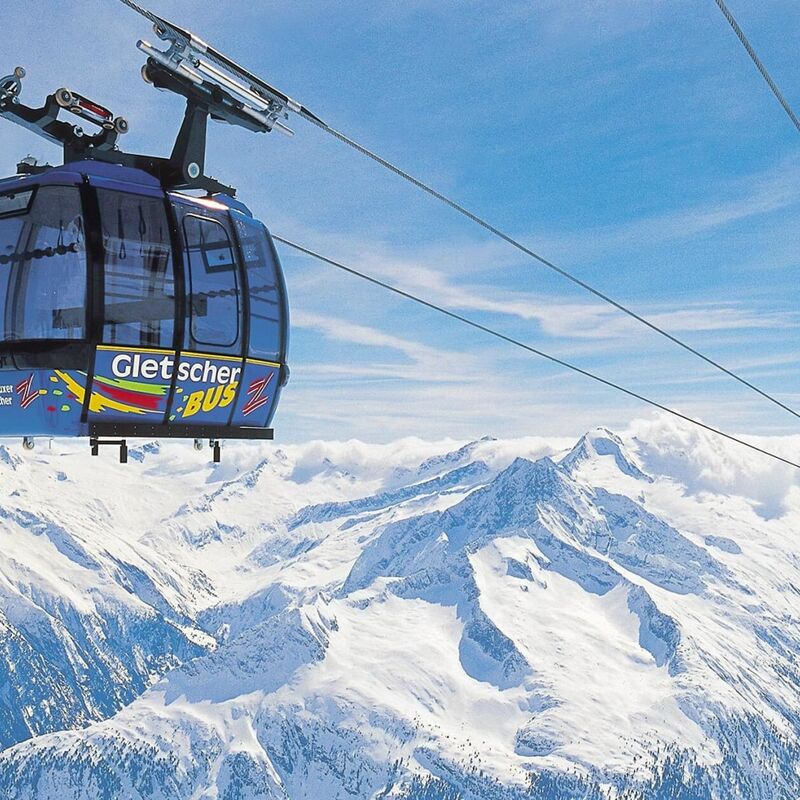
[554,315]
[736,200]
[421,362]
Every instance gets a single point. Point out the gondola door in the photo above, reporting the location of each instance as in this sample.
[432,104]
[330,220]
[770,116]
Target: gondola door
[135,300]
[210,364]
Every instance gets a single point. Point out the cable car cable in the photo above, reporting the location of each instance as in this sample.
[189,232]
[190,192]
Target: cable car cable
[757,61]
[549,264]
[148,15]
[302,111]
[517,343]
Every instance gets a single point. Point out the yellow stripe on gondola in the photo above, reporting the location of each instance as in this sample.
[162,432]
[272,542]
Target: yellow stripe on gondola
[97,402]
[262,363]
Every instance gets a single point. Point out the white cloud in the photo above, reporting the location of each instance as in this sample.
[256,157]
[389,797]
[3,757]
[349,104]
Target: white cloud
[556,316]
[704,462]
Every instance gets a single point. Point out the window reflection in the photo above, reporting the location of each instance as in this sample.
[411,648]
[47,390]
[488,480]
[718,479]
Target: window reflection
[213,291]
[139,282]
[266,324]
[43,265]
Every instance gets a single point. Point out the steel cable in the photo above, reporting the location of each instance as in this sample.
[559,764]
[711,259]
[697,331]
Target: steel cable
[517,343]
[759,64]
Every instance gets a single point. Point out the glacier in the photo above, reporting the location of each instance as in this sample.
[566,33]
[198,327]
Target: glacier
[526,619]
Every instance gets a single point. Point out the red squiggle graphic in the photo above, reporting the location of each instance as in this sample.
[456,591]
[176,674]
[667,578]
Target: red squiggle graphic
[255,392]
[25,391]
[139,399]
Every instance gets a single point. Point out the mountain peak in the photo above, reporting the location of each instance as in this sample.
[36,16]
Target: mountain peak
[602,443]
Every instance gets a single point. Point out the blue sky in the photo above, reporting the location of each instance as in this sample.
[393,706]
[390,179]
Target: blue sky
[630,141]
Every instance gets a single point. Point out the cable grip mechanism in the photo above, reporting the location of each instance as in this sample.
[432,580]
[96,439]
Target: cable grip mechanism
[11,85]
[186,59]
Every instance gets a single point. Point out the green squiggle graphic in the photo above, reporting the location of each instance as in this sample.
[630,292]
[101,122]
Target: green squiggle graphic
[134,386]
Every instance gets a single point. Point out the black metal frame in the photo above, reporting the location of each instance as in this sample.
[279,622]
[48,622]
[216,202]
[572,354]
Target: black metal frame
[147,430]
[183,169]
[99,431]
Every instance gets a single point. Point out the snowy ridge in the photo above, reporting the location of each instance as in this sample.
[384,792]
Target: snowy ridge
[501,619]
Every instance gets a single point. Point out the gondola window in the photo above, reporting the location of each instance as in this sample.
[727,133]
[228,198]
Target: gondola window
[214,289]
[42,265]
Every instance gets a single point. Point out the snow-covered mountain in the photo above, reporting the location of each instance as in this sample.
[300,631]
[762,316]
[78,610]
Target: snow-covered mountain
[612,618]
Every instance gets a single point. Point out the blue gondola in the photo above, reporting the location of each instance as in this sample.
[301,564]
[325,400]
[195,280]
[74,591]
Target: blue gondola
[129,306]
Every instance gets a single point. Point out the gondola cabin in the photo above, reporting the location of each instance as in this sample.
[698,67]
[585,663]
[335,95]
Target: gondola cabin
[130,306]
[127,310]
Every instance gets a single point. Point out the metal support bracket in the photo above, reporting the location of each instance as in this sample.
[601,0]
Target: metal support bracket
[44,121]
[213,85]
[95,443]
[187,58]
[182,170]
